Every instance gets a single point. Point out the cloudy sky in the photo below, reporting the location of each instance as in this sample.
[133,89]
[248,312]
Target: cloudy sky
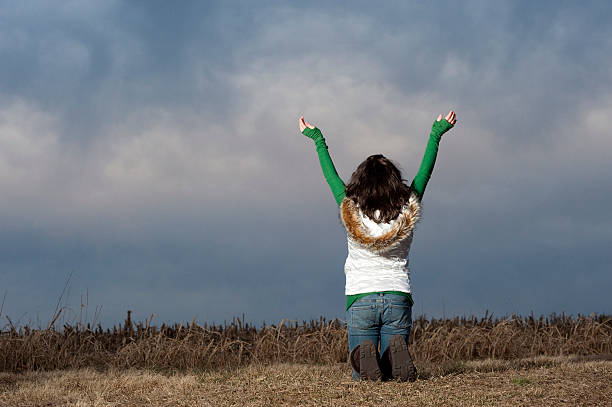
[151,151]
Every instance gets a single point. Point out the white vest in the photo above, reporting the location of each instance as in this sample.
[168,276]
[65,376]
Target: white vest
[378,252]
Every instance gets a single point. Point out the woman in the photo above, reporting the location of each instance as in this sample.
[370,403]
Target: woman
[379,212]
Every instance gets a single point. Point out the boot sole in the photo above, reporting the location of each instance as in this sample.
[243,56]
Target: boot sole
[402,367]
[368,361]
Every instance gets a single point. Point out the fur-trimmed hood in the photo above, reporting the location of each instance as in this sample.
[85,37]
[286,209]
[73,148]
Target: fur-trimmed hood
[402,227]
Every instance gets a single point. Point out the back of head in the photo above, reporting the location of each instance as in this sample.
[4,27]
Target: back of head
[377,184]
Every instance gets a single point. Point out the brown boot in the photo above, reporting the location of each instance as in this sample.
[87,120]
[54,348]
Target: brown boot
[368,361]
[402,367]
[354,359]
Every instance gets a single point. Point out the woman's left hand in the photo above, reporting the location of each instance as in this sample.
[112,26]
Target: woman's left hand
[451,117]
[304,124]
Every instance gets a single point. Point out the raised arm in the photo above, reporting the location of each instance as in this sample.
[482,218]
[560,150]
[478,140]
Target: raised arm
[329,171]
[438,128]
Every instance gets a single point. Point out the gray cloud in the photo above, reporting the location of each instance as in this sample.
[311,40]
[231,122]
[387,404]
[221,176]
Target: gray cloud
[154,149]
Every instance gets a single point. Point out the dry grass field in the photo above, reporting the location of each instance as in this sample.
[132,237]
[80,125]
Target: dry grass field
[543,381]
[555,360]
[434,342]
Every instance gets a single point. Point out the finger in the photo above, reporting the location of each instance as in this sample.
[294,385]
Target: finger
[439,117]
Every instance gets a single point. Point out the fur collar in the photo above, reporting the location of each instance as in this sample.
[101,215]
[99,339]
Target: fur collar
[404,225]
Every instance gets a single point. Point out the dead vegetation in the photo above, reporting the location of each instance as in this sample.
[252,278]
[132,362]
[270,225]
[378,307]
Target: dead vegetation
[438,345]
[542,381]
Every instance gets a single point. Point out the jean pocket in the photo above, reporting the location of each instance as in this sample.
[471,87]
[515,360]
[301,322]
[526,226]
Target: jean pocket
[363,316]
[400,315]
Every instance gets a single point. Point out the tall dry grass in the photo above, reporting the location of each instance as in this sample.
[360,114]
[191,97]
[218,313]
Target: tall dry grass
[193,346]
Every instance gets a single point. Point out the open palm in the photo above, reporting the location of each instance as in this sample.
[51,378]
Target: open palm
[450,117]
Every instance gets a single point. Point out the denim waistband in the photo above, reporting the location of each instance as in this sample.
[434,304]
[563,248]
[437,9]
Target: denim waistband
[382,297]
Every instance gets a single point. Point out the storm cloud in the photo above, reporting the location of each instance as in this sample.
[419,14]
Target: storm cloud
[152,150]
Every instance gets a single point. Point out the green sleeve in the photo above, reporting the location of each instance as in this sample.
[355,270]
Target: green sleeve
[329,171]
[429,159]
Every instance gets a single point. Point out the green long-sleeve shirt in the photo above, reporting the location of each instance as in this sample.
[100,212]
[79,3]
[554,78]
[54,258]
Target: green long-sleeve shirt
[418,184]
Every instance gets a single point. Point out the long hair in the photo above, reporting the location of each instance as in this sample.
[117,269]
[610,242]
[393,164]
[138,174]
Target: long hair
[377,184]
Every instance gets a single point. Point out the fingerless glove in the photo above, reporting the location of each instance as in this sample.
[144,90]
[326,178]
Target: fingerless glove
[440,127]
[314,134]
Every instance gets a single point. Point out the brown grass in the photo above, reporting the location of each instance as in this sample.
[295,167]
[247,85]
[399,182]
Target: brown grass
[543,381]
[438,345]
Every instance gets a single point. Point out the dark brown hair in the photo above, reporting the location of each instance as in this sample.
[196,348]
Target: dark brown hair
[377,184]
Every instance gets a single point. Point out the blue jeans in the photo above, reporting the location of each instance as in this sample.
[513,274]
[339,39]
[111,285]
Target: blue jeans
[378,317]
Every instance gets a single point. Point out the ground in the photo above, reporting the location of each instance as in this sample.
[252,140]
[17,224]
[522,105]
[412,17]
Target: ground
[534,382]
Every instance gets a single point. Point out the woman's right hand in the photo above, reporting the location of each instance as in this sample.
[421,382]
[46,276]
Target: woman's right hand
[304,124]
